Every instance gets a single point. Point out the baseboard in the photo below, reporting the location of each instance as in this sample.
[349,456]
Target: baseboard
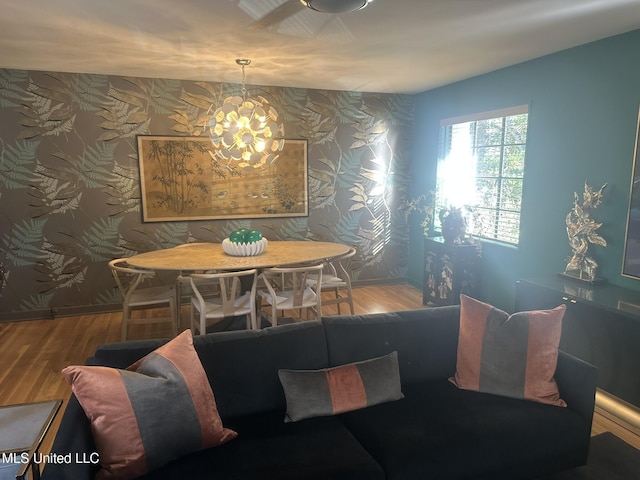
[53,313]
[619,411]
[378,281]
[69,311]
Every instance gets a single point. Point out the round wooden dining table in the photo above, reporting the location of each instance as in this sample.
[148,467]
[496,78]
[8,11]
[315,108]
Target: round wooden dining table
[211,256]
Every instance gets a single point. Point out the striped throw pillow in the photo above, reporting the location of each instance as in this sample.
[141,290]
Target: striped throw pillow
[159,409]
[330,391]
[511,355]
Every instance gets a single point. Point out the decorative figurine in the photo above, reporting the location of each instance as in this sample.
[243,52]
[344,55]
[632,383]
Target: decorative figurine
[581,230]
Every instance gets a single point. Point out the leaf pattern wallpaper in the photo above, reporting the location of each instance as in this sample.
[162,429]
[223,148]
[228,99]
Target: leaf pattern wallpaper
[70,186]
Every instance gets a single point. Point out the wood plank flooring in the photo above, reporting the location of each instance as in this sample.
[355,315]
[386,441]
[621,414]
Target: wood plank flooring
[34,352]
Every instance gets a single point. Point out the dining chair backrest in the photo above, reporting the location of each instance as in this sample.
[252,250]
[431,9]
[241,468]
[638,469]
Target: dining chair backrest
[339,268]
[336,278]
[288,289]
[128,280]
[222,295]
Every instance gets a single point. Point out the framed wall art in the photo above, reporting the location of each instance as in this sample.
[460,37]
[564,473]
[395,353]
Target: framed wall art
[631,259]
[181,180]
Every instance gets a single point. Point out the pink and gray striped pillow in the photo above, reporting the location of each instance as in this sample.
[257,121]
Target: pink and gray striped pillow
[511,355]
[330,391]
[159,409]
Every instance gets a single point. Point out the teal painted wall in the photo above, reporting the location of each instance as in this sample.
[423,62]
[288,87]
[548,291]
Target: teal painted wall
[583,112]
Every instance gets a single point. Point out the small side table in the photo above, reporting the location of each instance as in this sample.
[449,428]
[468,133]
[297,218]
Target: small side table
[22,429]
[449,270]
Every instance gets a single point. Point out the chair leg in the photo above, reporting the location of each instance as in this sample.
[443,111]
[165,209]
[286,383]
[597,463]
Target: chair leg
[125,322]
[251,322]
[350,301]
[203,322]
[176,317]
[178,306]
[254,319]
[192,318]
[337,300]
[257,313]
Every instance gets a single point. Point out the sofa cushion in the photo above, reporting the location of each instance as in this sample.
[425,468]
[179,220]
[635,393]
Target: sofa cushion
[330,391]
[513,355]
[268,449]
[446,433]
[160,408]
[425,340]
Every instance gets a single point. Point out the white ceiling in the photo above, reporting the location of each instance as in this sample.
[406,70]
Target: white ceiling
[401,46]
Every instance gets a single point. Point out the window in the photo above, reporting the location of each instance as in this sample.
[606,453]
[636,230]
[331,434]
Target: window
[481,169]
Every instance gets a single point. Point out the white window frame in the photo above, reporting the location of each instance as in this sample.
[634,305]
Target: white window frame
[466,180]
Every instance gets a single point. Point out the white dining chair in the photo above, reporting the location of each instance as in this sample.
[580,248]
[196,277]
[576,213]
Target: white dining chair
[216,296]
[183,282]
[136,297]
[336,278]
[287,290]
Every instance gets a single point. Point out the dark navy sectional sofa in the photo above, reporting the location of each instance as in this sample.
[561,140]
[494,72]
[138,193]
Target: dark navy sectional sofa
[436,431]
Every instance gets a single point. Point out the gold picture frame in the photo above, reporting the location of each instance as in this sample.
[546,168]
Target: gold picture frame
[180,180]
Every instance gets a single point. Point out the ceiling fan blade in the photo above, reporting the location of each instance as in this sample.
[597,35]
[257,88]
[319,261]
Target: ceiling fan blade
[278,14]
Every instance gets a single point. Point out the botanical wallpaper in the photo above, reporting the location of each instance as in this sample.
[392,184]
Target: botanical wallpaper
[70,185]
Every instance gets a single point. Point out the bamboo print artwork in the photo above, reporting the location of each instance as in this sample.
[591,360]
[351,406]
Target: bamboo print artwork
[176,179]
[182,180]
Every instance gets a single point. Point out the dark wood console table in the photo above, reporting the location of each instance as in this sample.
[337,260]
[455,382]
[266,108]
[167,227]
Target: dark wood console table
[601,326]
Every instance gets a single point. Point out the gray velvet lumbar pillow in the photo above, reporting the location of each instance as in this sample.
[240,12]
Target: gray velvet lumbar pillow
[330,391]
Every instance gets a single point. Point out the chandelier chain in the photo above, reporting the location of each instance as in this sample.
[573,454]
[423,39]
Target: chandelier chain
[244,88]
[243,62]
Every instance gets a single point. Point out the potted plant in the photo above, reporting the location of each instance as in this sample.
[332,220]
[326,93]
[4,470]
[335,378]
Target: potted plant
[423,205]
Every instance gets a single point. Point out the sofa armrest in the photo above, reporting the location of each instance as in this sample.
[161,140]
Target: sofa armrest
[576,381]
[74,441]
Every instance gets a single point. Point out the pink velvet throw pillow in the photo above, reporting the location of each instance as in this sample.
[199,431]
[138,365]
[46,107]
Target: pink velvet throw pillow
[511,355]
[160,408]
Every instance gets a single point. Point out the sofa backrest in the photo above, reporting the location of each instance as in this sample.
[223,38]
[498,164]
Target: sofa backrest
[123,354]
[242,366]
[426,340]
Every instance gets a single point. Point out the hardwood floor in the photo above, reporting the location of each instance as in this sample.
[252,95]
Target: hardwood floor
[34,352]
